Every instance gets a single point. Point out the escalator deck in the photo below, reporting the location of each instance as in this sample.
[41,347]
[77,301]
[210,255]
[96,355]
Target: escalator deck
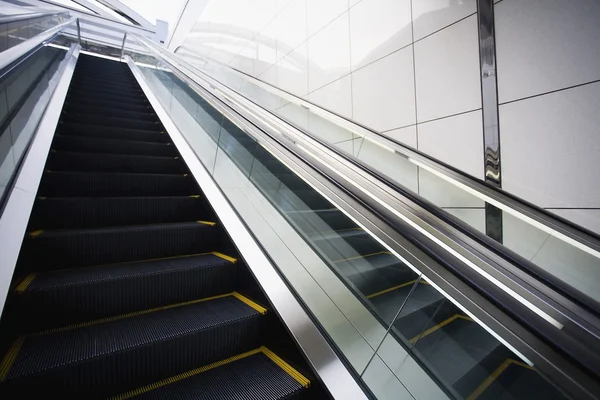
[126,285]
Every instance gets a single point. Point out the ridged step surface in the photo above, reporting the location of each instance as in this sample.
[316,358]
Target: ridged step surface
[133,350]
[102,162]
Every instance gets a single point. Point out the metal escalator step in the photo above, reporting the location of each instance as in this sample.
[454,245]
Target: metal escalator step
[115,133]
[104,121]
[147,115]
[95,102]
[454,347]
[78,89]
[340,245]
[375,274]
[319,220]
[125,82]
[107,184]
[48,250]
[92,212]
[113,289]
[102,162]
[124,352]
[113,146]
[252,375]
[113,98]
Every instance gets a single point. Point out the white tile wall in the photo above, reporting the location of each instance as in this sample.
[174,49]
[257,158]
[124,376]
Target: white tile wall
[290,27]
[406,135]
[589,219]
[320,13]
[329,53]
[457,140]
[545,45]
[472,216]
[383,92]
[337,96]
[432,15]
[292,71]
[378,28]
[447,71]
[550,147]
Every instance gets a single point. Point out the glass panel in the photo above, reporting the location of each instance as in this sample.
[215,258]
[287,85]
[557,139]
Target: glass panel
[16,32]
[462,355]
[578,267]
[24,95]
[414,332]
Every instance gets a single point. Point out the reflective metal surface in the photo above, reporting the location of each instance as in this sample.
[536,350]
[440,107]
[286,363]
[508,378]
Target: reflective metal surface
[412,217]
[15,215]
[330,369]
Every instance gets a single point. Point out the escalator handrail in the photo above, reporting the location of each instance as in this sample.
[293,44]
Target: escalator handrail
[487,311]
[13,54]
[566,230]
[18,17]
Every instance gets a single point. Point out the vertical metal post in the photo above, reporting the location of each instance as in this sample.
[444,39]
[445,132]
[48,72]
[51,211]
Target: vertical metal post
[489,103]
[123,45]
[78,31]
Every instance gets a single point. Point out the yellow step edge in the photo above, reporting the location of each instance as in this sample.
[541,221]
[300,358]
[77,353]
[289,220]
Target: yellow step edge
[128,315]
[440,325]
[211,223]
[272,356]
[250,303]
[35,234]
[196,196]
[364,256]
[25,283]
[224,257]
[494,375]
[390,289]
[286,367]
[10,357]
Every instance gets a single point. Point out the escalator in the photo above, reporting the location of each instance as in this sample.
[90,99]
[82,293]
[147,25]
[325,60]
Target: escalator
[462,356]
[126,284]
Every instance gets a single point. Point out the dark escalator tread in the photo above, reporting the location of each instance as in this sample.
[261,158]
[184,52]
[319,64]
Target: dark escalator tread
[319,220]
[91,212]
[253,376]
[95,102]
[68,184]
[104,132]
[455,347]
[113,146]
[135,349]
[48,250]
[104,121]
[102,162]
[113,289]
[110,98]
[145,115]
[339,245]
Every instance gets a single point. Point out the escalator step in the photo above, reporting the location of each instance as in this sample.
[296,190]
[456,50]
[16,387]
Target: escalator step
[113,146]
[79,89]
[135,349]
[102,162]
[252,375]
[340,245]
[147,115]
[96,292]
[139,101]
[102,120]
[91,212]
[48,250]
[95,102]
[83,184]
[105,132]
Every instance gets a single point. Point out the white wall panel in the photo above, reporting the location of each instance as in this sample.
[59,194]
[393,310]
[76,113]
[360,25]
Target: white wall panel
[292,71]
[337,97]
[378,28]
[290,26]
[456,140]
[329,53]
[550,148]
[447,71]
[320,13]
[406,135]
[383,92]
[545,45]
[589,219]
[432,15]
